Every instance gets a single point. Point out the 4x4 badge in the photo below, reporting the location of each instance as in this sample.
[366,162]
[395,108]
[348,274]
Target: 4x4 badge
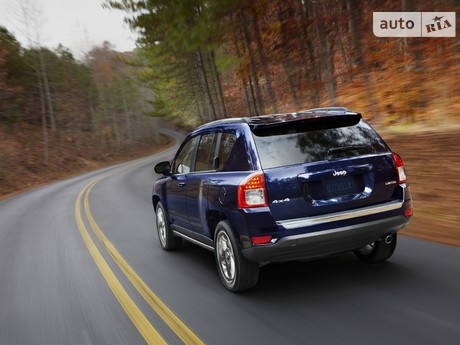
[339,173]
[280,201]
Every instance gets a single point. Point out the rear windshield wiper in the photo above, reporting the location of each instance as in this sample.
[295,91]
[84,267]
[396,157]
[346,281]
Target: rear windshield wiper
[345,148]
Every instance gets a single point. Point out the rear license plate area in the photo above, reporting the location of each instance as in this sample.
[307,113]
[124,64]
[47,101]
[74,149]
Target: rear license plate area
[336,187]
[340,186]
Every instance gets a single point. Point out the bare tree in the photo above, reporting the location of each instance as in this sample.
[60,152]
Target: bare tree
[32,17]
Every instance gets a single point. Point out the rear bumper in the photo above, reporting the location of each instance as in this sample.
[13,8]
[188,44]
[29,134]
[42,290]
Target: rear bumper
[326,242]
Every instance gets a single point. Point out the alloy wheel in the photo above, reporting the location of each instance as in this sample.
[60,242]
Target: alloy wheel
[161,226]
[226,257]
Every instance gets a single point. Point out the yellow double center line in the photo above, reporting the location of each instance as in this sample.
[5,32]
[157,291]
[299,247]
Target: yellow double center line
[143,325]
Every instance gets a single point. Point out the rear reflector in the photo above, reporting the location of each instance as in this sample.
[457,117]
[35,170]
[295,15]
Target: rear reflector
[409,212]
[261,239]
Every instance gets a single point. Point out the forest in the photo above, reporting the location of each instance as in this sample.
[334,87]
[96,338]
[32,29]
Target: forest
[202,60]
[207,60]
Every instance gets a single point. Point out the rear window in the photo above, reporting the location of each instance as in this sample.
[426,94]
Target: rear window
[300,145]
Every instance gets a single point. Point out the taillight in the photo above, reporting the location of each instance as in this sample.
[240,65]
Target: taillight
[400,172]
[252,191]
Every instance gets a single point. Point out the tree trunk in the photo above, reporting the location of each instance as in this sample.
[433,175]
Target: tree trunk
[44,122]
[205,83]
[330,69]
[286,60]
[126,111]
[111,113]
[327,52]
[254,82]
[217,83]
[263,60]
[358,55]
[92,115]
[249,98]
[46,88]
[354,28]
[340,42]
[306,9]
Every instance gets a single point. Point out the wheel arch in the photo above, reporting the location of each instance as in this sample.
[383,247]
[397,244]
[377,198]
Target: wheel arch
[213,218]
[155,200]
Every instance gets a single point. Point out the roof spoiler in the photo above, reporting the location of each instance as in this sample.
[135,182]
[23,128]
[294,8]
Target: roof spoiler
[328,109]
[308,120]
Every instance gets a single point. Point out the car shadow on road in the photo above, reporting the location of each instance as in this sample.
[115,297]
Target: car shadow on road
[321,276]
[327,276]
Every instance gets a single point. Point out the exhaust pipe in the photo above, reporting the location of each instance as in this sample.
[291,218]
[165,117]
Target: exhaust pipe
[388,239]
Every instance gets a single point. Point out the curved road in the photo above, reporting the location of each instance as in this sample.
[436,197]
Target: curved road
[80,263]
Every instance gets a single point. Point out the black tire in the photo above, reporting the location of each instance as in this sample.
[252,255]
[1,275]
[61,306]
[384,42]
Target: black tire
[235,272]
[378,251]
[167,239]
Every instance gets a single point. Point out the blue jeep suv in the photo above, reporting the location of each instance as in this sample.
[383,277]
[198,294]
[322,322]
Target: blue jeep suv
[282,187]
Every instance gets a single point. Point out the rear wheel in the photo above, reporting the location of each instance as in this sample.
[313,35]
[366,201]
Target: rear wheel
[167,240]
[378,251]
[236,273]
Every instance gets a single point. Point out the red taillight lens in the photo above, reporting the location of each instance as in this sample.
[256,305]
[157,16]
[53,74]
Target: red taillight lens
[400,172]
[261,239]
[409,212]
[252,191]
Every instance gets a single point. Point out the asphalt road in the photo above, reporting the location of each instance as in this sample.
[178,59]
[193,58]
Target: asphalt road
[80,263]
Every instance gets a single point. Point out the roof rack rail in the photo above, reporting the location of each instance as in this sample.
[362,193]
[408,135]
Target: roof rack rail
[328,109]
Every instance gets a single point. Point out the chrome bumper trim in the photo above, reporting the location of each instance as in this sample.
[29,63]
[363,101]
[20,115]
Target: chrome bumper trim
[333,217]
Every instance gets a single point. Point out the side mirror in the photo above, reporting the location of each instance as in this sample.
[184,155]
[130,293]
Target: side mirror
[163,168]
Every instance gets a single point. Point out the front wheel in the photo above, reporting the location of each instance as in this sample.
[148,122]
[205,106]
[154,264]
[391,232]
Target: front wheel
[167,240]
[378,251]
[236,273]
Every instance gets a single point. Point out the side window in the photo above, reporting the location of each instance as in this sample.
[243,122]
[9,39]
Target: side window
[206,152]
[183,162]
[233,155]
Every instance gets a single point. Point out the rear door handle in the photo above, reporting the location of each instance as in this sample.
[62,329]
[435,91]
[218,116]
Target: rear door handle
[181,184]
